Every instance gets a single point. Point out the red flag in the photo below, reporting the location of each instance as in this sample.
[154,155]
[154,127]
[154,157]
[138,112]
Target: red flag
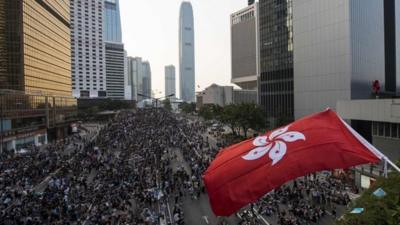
[245,172]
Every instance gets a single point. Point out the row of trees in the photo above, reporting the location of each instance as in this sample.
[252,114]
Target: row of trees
[239,117]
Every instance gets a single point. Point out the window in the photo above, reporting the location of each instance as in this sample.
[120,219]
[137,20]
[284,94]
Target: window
[395,131]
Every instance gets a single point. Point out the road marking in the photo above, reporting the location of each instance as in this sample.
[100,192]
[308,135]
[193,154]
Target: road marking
[169,212]
[206,219]
[260,217]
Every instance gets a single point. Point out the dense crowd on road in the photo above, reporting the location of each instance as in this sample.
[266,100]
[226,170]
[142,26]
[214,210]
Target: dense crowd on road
[306,200]
[125,175]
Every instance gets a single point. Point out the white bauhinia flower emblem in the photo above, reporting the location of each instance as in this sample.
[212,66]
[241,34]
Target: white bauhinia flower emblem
[275,144]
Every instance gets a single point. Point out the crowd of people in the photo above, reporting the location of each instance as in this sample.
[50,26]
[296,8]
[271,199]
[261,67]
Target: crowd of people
[306,200]
[127,173]
[124,176]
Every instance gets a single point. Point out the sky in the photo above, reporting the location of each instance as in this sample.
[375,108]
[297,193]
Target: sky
[150,30]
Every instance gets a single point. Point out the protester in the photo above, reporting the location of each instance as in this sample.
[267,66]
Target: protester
[126,173]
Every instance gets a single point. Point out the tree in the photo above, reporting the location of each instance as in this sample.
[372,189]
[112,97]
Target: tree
[167,104]
[188,107]
[230,117]
[377,211]
[250,116]
[206,112]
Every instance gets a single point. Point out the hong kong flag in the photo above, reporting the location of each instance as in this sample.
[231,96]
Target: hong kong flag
[244,172]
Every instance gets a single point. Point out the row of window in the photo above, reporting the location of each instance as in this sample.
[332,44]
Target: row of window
[389,130]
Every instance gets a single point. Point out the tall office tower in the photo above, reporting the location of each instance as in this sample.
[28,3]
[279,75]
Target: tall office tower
[342,47]
[35,47]
[115,70]
[115,60]
[244,47]
[186,53]
[170,81]
[276,60]
[87,43]
[135,74]
[35,71]
[135,71]
[146,79]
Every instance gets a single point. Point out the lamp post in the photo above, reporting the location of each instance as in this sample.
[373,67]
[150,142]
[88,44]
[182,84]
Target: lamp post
[156,99]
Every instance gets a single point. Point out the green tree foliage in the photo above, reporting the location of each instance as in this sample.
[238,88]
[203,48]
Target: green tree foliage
[167,104]
[211,112]
[206,112]
[230,117]
[378,211]
[238,117]
[188,107]
[250,116]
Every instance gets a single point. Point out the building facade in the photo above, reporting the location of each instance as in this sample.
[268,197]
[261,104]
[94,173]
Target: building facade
[112,22]
[224,95]
[146,79]
[170,81]
[35,73]
[186,53]
[276,59]
[244,47]
[114,52]
[139,78]
[115,70]
[380,120]
[36,47]
[88,49]
[244,96]
[342,47]
[216,95]
[135,75]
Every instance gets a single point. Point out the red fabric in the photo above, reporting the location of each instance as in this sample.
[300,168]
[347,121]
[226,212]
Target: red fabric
[315,143]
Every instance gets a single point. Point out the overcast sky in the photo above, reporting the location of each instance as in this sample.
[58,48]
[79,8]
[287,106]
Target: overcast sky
[150,31]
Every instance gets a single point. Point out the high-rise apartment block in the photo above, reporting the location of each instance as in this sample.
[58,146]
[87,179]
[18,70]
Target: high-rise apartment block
[88,49]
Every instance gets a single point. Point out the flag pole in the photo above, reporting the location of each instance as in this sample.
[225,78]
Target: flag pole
[370,147]
[385,168]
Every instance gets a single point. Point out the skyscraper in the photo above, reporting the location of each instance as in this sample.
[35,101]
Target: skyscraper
[276,60]
[35,47]
[186,53]
[115,59]
[36,101]
[146,69]
[342,47]
[88,51]
[244,47]
[112,22]
[170,81]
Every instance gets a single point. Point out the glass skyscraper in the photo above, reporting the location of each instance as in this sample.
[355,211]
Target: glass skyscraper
[276,59]
[115,55]
[186,53]
[112,22]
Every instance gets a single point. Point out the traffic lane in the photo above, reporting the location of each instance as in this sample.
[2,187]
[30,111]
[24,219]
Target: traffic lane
[198,212]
